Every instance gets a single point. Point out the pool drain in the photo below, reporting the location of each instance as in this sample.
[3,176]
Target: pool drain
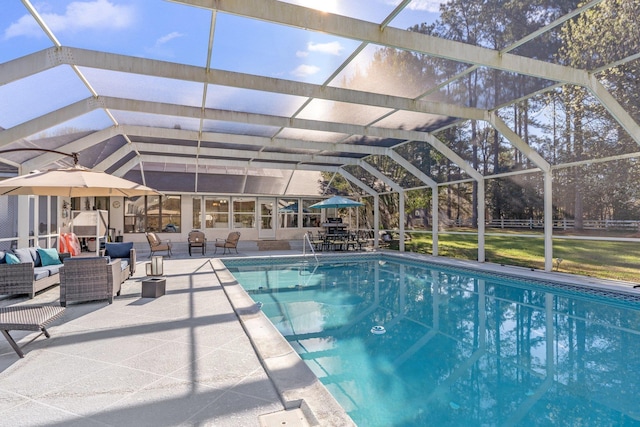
[378,330]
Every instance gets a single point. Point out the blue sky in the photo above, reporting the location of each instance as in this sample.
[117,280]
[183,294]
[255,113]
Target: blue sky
[177,33]
[174,32]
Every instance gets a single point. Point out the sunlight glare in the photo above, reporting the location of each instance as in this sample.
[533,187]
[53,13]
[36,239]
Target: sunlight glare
[330,6]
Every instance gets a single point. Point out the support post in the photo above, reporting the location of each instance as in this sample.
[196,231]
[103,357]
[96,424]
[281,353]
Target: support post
[434,220]
[548,221]
[481,206]
[401,221]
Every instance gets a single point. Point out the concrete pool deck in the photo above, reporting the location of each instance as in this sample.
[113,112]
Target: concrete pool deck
[179,359]
[202,355]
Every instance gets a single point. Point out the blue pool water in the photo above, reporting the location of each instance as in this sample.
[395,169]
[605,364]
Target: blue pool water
[460,348]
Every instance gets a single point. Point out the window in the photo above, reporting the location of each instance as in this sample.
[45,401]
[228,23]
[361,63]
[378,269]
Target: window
[135,215]
[43,209]
[216,212]
[101,203]
[288,213]
[311,217]
[152,213]
[170,218]
[244,212]
[53,209]
[197,212]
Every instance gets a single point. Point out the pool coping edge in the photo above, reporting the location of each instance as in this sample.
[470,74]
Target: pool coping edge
[294,381]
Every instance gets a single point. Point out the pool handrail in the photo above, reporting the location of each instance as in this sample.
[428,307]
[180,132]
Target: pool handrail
[304,247]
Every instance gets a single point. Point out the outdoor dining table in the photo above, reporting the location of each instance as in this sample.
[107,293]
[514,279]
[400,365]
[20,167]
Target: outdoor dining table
[339,241]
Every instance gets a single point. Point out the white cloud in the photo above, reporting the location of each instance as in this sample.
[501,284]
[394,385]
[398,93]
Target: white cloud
[25,26]
[305,70]
[302,54]
[161,47]
[97,14]
[432,6]
[164,39]
[333,48]
[426,5]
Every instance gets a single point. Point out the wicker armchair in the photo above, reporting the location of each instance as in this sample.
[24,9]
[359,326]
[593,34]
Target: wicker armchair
[89,279]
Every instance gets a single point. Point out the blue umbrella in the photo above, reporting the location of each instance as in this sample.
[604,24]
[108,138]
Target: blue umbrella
[336,202]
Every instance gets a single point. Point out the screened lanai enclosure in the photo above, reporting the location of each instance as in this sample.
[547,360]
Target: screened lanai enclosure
[491,120]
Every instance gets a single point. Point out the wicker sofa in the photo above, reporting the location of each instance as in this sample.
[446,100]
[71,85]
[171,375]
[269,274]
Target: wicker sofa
[29,275]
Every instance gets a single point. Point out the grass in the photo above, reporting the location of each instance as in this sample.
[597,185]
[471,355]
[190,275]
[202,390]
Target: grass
[606,260]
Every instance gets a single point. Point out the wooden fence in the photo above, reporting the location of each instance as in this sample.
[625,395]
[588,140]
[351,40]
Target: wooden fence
[566,224]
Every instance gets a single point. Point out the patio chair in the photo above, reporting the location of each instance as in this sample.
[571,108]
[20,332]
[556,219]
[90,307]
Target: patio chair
[157,245]
[197,239]
[231,242]
[362,239]
[316,241]
[89,279]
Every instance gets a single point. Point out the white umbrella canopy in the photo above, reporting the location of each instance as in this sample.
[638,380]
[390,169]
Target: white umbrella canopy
[336,202]
[75,181]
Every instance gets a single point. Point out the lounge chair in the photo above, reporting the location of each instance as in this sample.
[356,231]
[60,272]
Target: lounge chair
[231,242]
[27,318]
[197,239]
[157,245]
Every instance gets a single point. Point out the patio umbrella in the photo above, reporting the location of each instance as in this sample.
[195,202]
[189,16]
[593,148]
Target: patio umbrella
[76,181]
[336,202]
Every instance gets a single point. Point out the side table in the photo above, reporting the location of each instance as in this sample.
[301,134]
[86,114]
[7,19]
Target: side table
[153,287]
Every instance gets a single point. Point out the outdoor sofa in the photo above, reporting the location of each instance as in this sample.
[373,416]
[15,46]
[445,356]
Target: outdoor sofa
[126,253]
[35,269]
[29,270]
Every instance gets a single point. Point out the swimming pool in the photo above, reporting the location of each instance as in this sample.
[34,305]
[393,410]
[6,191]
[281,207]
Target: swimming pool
[459,347]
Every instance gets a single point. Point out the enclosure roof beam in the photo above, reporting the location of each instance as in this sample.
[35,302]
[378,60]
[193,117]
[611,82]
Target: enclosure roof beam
[173,150]
[459,161]
[343,26]
[114,158]
[85,106]
[517,142]
[382,177]
[73,147]
[130,164]
[411,168]
[357,182]
[48,120]
[255,141]
[614,108]
[52,57]
[152,158]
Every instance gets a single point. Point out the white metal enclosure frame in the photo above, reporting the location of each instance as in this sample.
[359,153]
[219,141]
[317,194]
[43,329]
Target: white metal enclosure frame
[148,147]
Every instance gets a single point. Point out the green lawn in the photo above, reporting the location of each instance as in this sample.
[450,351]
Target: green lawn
[608,260]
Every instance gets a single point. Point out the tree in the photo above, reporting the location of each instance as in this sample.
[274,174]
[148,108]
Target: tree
[604,35]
